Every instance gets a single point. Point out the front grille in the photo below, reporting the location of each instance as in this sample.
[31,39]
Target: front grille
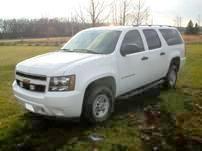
[31,87]
[36,77]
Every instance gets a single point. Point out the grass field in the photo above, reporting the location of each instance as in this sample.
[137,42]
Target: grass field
[121,132]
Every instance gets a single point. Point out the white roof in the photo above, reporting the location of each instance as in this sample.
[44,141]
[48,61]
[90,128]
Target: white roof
[123,28]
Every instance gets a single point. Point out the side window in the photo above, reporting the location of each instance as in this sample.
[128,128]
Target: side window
[133,38]
[171,36]
[152,38]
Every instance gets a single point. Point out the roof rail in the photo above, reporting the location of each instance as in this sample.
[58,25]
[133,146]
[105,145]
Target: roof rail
[153,25]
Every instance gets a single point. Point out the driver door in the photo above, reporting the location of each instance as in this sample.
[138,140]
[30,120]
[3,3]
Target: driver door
[132,65]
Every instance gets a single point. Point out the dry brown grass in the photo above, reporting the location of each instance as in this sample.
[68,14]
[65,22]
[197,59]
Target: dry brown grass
[192,38]
[52,41]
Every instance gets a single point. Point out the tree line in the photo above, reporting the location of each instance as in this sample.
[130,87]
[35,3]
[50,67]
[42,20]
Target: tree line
[95,13]
[36,28]
[192,29]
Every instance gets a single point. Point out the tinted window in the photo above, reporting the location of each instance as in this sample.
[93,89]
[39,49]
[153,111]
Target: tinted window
[133,38]
[152,38]
[171,36]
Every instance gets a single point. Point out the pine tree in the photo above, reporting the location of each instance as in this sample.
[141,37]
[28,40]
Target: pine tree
[196,29]
[190,28]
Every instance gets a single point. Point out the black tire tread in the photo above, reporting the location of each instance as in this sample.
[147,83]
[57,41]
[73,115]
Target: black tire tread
[88,103]
[166,84]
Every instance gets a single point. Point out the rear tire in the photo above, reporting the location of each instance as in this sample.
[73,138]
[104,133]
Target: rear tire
[171,78]
[98,104]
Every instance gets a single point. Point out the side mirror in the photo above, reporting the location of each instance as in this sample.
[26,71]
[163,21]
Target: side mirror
[129,49]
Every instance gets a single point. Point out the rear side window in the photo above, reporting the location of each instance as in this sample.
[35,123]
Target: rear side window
[152,38]
[171,36]
[133,37]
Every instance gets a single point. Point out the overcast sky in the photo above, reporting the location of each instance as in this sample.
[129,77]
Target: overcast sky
[163,11]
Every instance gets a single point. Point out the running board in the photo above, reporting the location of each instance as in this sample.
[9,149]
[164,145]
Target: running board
[140,90]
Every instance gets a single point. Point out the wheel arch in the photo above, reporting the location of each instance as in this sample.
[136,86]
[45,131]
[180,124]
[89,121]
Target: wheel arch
[108,80]
[175,61]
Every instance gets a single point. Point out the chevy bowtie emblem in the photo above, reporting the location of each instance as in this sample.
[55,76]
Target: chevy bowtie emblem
[26,81]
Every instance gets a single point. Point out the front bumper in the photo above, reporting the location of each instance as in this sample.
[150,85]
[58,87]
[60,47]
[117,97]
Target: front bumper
[62,104]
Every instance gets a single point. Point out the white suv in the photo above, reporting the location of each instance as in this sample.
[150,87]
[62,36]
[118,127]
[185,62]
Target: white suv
[96,66]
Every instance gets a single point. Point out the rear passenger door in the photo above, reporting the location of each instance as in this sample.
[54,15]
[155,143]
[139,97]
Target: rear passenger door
[156,55]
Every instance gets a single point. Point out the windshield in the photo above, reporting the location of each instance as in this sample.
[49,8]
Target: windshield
[93,41]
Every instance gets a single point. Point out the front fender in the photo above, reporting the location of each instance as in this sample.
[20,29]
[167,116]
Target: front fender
[97,77]
[93,69]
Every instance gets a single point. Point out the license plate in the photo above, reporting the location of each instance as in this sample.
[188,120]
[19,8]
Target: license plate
[29,107]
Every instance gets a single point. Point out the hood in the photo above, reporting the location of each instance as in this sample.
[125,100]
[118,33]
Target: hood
[51,63]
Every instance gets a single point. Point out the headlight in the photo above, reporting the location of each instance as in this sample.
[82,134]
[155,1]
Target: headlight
[63,83]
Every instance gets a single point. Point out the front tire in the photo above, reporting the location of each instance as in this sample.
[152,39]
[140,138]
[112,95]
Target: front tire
[171,78]
[98,104]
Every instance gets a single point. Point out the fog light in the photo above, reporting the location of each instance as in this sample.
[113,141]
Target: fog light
[32,87]
[21,84]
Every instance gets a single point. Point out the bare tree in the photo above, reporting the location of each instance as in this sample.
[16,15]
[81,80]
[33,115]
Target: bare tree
[80,14]
[73,19]
[95,10]
[120,11]
[178,21]
[115,10]
[43,27]
[125,11]
[1,25]
[199,20]
[151,22]
[141,13]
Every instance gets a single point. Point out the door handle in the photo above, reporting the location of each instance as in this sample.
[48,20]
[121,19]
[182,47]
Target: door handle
[144,58]
[162,53]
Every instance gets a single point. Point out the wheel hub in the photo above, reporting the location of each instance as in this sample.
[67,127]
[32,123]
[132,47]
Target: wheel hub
[172,78]
[101,106]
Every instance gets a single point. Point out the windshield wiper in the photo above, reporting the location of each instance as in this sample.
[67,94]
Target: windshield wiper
[86,51]
[67,50]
